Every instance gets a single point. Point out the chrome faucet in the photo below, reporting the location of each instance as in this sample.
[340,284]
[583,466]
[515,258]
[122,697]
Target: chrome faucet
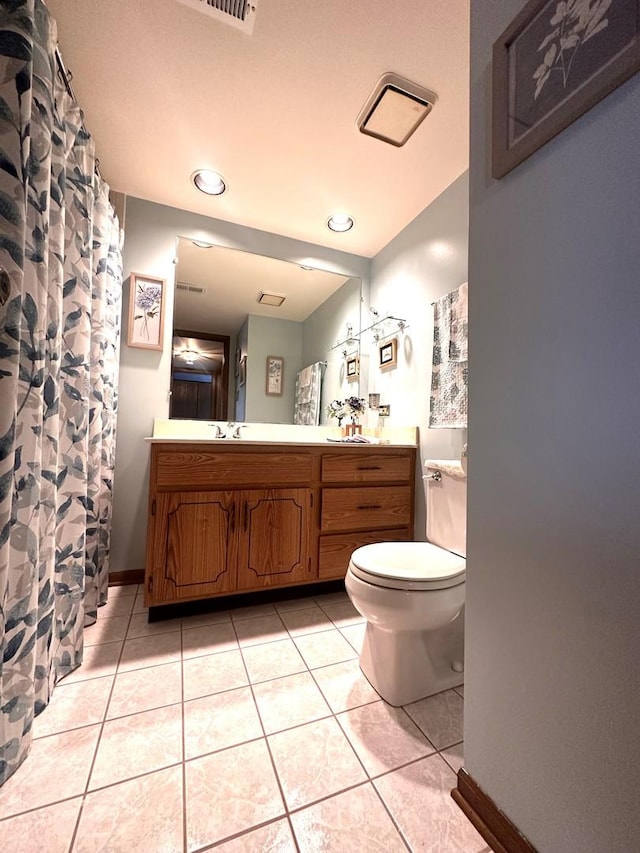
[219,433]
[236,432]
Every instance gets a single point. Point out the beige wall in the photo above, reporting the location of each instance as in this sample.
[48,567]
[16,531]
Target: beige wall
[553,574]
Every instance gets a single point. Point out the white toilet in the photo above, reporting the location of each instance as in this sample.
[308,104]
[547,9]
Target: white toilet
[412,596]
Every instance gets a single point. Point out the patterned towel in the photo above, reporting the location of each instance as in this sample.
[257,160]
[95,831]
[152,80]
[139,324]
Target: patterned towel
[459,340]
[307,402]
[449,379]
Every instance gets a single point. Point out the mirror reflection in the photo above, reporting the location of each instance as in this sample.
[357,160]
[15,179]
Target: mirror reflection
[238,315]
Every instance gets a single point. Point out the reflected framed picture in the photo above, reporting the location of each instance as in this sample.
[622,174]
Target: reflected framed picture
[553,63]
[275,371]
[146,311]
[388,354]
[353,368]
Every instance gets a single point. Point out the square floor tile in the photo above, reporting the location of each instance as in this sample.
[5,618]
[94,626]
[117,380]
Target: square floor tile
[332,597]
[150,651]
[123,590]
[306,621]
[251,611]
[208,640]
[274,838]
[131,746]
[106,630]
[230,791]
[383,737]
[344,686]
[97,661]
[419,798]
[440,717]
[314,761]
[213,673]
[353,821]
[212,618]
[343,614]
[138,605]
[454,756]
[37,782]
[144,689]
[141,627]
[272,660]
[260,629]
[218,721]
[354,634]
[143,814]
[290,701]
[81,703]
[55,823]
[301,603]
[118,606]
[324,648]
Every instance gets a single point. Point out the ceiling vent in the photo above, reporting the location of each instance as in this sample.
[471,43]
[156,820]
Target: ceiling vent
[237,13]
[191,288]
[395,109]
[273,299]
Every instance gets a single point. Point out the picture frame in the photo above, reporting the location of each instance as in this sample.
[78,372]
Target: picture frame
[353,368]
[147,296]
[553,63]
[388,354]
[274,375]
[242,371]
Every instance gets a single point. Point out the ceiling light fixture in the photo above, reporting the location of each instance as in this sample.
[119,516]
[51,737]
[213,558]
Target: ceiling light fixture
[208,182]
[273,299]
[394,110]
[340,222]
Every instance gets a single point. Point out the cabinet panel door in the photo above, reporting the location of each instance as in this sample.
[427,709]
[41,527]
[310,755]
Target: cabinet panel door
[274,542]
[366,467]
[195,551]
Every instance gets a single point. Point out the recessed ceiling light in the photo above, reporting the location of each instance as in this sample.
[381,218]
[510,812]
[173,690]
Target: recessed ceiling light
[340,222]
[208,182]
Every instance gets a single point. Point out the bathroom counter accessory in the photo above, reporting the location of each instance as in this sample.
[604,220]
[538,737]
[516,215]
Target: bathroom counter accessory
[238,516]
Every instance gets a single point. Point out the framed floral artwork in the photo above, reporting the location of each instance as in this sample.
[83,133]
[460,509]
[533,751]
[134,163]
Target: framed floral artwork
[275,371]
[554,62]
[146,311]
[353,368]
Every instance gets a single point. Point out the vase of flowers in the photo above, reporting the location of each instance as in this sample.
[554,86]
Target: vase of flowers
[336,409]
[354,407]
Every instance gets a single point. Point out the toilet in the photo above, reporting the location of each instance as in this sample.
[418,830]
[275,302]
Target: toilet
[412,596]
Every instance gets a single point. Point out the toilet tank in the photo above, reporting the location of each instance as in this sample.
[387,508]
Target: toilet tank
[447,505]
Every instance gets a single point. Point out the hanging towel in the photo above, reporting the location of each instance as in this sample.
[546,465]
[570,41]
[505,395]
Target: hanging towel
[307,402]
[448,403]
[458,339]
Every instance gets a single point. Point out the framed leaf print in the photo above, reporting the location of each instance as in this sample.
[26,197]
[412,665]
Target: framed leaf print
[146,311]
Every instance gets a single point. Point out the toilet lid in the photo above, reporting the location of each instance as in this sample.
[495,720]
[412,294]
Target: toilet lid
[408,565]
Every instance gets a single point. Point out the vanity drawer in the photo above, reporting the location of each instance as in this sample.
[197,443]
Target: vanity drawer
[369,508]
[188,469]
[336,551]
[366,467]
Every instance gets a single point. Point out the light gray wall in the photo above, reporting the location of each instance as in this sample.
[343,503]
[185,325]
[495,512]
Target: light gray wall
[553,572]
[269,336]
[150,247]
[426,260]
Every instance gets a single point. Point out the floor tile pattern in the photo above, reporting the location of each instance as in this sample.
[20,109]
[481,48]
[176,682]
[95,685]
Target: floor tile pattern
[249,730]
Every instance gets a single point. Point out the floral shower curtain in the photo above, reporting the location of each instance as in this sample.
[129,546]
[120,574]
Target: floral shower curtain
[60,299]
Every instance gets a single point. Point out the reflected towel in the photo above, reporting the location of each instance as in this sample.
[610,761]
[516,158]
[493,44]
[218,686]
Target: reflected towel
[307,402]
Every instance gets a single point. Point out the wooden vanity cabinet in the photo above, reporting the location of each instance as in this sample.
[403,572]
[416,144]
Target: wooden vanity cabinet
[226,519]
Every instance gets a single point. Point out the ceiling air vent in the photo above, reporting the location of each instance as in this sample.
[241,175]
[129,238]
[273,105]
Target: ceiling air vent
[237,13]
[191,288]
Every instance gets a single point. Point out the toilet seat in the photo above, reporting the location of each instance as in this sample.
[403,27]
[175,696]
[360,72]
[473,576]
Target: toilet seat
[408,565]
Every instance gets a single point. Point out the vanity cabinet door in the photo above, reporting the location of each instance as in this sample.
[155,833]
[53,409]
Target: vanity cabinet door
[195,546]
[274,545]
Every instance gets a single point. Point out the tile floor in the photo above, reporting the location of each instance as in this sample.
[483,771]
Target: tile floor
[245,731]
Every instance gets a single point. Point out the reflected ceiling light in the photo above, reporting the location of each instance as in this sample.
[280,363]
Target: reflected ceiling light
[340,222]
[394,110]
[189,356]
[441,249]
[273,299]
[208,182]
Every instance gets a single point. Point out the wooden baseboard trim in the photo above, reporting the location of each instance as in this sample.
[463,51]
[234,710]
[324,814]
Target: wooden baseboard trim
[492,824]
[124,578]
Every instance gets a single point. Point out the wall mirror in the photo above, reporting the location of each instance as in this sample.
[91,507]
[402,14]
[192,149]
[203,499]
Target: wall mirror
[236,314]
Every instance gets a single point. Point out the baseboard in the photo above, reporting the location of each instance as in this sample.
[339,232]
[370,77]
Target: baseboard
[124,578]
[492,824]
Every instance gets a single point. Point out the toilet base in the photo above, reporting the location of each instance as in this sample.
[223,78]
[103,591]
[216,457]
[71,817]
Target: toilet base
[405,666]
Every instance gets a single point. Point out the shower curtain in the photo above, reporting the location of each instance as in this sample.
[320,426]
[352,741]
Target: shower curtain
[60,299]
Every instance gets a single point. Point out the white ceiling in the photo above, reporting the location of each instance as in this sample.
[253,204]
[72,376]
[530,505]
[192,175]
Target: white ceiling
[166,89]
